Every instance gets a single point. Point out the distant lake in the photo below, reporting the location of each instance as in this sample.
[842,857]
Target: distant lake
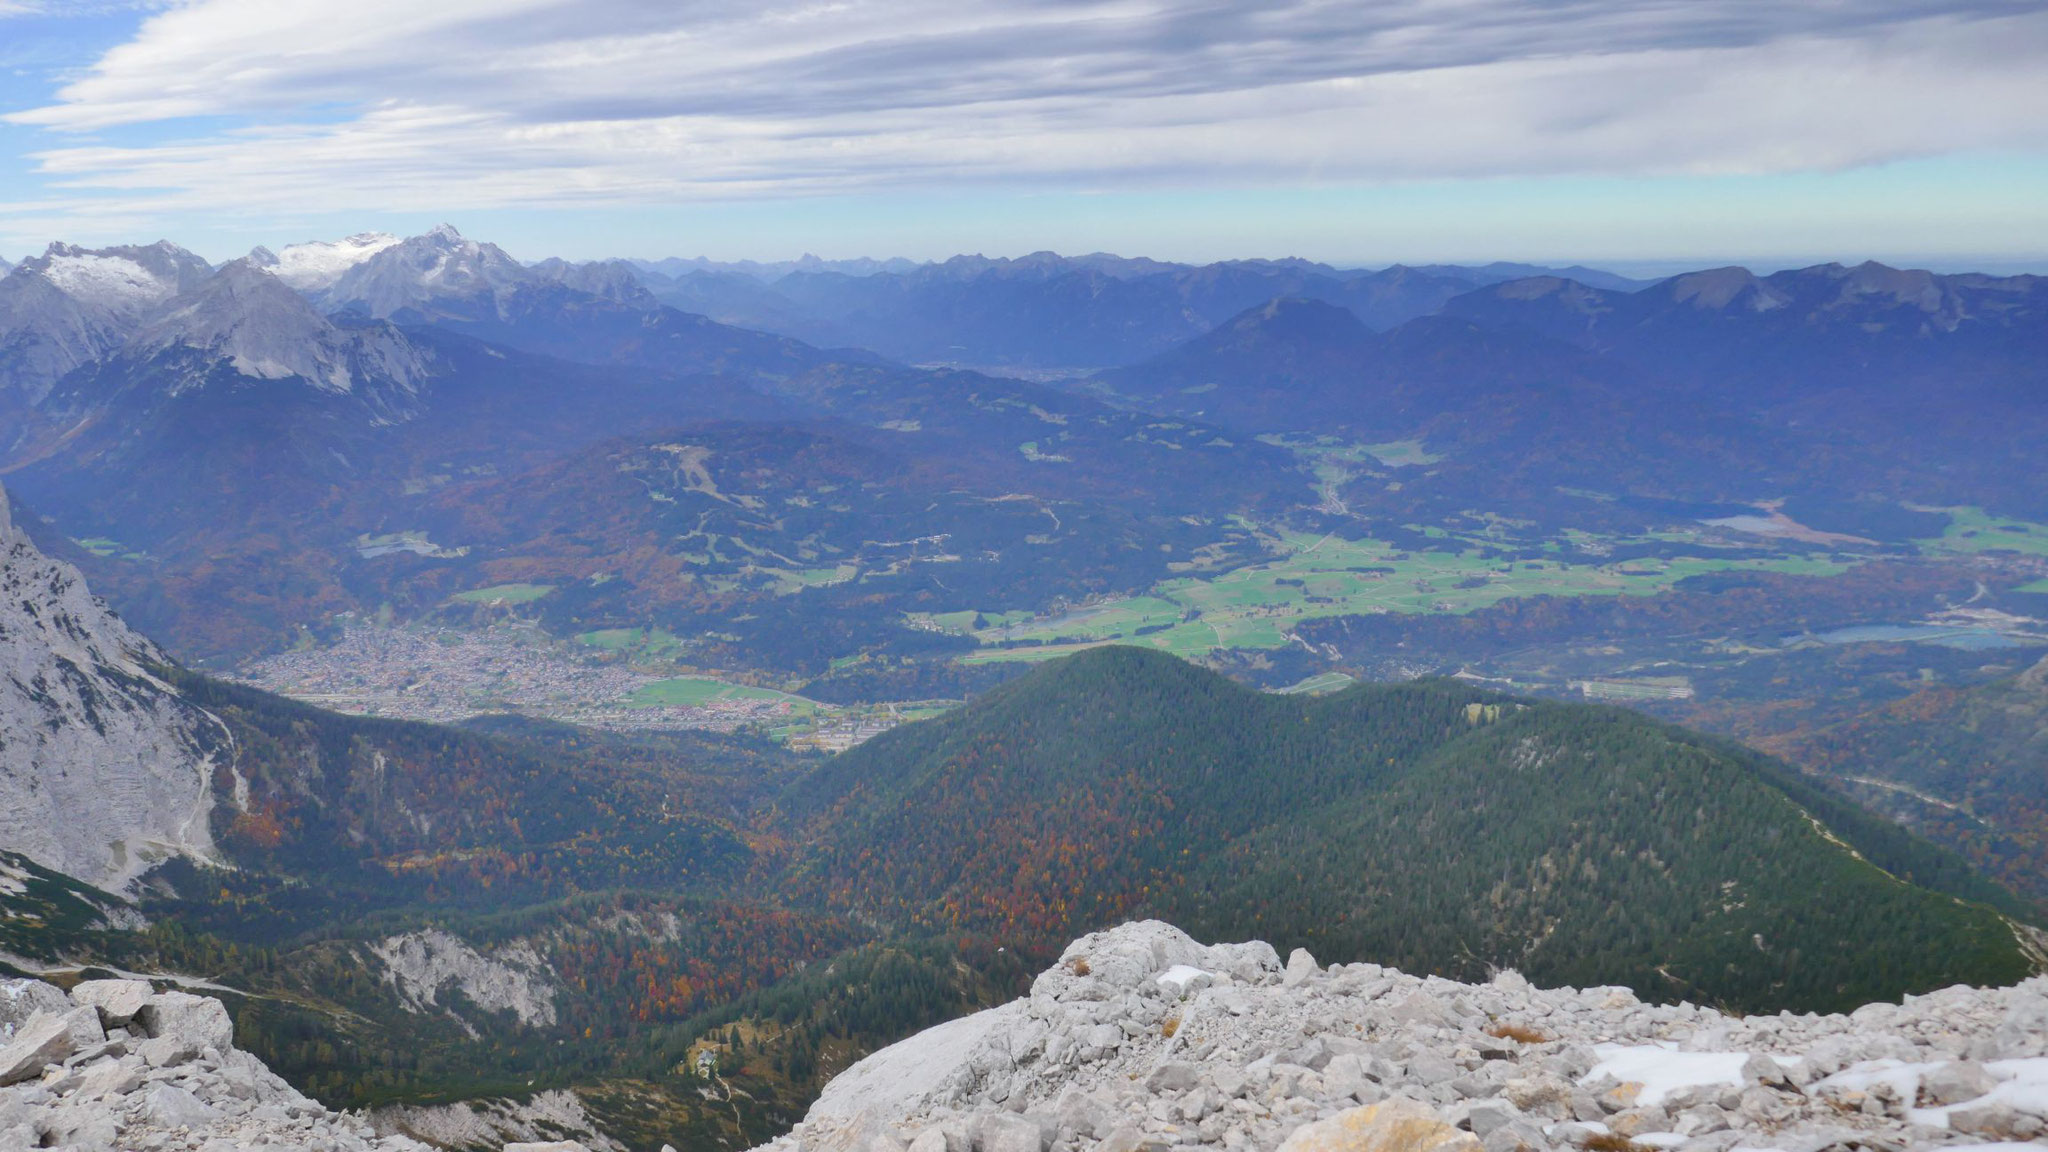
[1973,639]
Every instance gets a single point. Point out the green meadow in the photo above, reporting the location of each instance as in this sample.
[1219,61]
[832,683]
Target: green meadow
[1318,576]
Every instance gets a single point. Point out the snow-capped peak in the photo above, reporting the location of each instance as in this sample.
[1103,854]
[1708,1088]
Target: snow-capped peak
[125,279]
[115,277]
[316,264]
[426,273]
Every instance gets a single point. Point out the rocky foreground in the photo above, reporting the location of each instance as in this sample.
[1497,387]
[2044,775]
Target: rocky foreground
[1142,1040]
[114,1064]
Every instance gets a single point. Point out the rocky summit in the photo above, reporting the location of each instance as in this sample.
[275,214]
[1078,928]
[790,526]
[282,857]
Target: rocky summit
[1141,1040]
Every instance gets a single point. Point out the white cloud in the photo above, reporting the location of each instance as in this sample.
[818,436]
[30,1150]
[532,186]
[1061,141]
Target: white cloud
[399,105]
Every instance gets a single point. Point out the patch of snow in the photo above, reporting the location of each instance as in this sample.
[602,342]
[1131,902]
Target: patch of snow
[106,279]
[1180,976]
[316,264]
[1662,1071]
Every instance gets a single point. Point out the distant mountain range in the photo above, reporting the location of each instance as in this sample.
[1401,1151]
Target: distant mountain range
[1849,382]
[1045,311]
[235,431]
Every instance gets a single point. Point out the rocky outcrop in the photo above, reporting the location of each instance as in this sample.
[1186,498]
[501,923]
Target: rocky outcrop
[117,1065]
[1142,1039]
[537,1124]
[424,966]
[104,769]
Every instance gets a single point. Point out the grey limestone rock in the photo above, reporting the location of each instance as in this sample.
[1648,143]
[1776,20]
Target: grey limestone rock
[198,1022]
[46,1039]
[22,999]
[1956,1082]
[117,1000]
[1261,1054]
[169,1106]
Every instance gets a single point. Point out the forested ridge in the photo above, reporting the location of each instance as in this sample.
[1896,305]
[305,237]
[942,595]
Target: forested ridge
[1433,825]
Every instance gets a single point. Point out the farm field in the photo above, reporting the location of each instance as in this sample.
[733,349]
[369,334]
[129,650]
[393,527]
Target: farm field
[504,594]
[1257,606]
[704,691]
[1972,530]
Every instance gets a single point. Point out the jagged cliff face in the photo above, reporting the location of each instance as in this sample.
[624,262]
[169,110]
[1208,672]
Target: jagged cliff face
[104,769]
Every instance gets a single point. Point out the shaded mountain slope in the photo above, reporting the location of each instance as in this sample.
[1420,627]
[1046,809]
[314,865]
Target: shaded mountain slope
[1429,824]
[1967,767]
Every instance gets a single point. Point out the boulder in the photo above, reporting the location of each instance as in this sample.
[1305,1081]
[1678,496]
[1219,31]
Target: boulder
[546,1146]
[1761,1069]
[169,1106]
[1172,1077]
[117,1000]
[2024,1031]
[199,1021]
[863,1132]
[1251,962]
[1418,1008]
[166,1051]
[110,1078]
[1395,1125]
[1300,967]
[1126,1139]
[48,1038]
[1955,1083]
[1008,1132]
[1995,1120]
[1431,1068]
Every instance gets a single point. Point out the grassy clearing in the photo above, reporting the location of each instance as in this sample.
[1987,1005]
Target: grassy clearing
[1975,530]
[1258,605]
[1402,454]
[505,594]
[1319,684]
[635,643]
[701,691]
[107,549]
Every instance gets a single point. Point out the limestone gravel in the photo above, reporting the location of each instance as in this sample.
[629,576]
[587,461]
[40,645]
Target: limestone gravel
[1142,1040]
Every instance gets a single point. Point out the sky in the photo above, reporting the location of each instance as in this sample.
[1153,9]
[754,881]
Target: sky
[1645,135]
